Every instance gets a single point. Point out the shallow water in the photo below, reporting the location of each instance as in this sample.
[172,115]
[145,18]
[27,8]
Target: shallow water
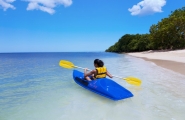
[34,87]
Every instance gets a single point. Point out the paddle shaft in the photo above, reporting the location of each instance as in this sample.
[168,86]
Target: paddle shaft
[90,70]
[117,76]
[81,68]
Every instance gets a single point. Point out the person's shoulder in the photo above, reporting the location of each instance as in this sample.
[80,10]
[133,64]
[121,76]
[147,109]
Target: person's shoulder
[104,67]
[94,70]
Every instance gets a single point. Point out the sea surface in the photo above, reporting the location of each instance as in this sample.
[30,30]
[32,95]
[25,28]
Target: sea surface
[34,87]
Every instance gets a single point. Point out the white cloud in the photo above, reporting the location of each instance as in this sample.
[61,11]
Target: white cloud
[47,5]
[147,7]
[5,4]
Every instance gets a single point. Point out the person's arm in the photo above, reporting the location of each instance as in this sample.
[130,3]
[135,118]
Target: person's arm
[108,74]
[88,74]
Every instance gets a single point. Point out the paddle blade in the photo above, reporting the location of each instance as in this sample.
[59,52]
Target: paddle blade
[133,81]
[66,64]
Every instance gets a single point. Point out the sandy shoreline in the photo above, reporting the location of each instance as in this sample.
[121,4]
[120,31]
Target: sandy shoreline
[173,60]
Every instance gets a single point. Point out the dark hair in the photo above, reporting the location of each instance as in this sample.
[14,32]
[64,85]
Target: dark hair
[99,62]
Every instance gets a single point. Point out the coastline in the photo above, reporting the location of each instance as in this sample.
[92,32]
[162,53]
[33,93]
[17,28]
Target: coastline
[172,60]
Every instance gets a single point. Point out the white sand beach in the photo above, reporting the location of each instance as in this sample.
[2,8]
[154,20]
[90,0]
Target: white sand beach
[173,60]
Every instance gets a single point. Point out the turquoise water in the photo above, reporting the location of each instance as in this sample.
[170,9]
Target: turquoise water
[34,87]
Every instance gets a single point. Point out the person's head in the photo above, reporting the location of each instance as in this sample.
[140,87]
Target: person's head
[98,63]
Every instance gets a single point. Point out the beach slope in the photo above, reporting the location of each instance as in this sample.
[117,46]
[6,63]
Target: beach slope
[173,60]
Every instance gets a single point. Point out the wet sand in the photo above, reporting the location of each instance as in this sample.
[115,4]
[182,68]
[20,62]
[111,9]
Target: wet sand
[173,60]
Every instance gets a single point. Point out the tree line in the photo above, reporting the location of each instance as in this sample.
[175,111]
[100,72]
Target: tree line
[167,34]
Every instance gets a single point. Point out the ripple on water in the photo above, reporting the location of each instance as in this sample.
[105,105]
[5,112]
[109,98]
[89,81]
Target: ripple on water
[36,88]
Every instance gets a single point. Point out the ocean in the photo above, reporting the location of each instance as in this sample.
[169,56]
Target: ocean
[34,87]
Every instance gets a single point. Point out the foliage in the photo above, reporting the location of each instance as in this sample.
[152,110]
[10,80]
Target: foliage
[131,43]
[169,33]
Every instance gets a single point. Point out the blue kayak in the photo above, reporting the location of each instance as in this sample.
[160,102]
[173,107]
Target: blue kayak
[104,87]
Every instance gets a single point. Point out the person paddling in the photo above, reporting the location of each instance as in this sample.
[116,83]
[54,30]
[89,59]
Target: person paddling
[99,72]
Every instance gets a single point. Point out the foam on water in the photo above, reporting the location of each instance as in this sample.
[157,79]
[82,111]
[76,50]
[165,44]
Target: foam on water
[34,87]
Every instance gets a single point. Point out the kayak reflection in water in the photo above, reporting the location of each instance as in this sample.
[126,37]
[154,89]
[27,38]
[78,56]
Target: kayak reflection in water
[99,72]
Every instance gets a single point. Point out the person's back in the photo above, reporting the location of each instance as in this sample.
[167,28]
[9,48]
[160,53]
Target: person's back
[99,72]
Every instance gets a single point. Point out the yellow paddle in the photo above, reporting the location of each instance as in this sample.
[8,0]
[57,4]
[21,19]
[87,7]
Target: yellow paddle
[130,80]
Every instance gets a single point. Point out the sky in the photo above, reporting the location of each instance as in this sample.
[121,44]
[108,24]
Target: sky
[76,25]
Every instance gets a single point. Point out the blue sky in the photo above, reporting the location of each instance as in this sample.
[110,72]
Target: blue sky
[76,25]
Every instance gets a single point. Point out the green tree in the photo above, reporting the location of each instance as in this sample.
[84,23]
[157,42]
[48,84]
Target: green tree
[169,33]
